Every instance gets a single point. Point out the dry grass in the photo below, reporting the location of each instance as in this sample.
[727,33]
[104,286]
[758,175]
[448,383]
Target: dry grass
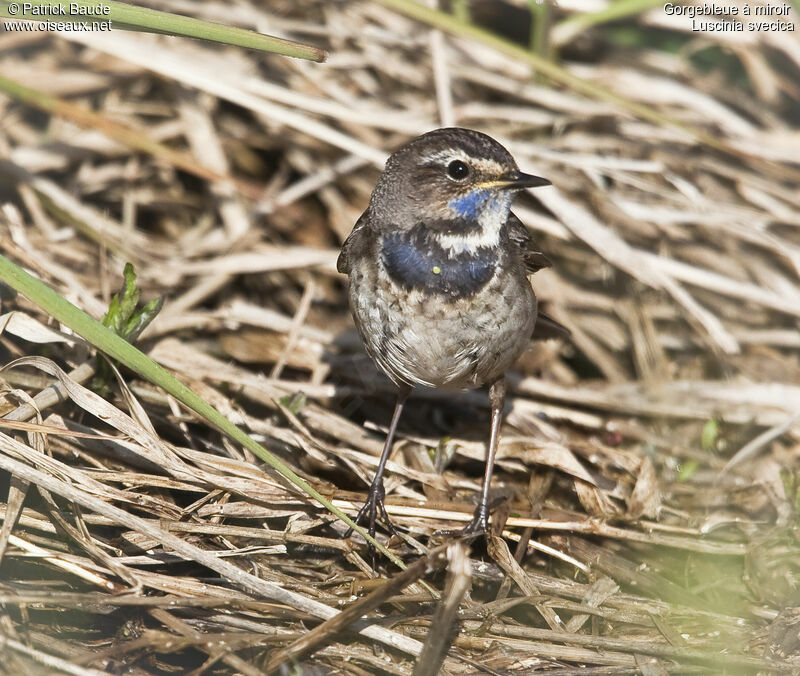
[651,467]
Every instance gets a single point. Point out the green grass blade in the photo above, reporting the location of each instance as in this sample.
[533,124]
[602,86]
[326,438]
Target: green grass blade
[125,16]
[451,24]
[541,13]
[112,345]
[621,9]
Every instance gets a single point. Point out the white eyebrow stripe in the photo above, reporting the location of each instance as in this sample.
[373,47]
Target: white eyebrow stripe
[489,166]
[450,154]
[482,164]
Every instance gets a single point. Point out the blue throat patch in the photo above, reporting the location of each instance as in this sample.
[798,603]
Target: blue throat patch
[415,263]
[469,206]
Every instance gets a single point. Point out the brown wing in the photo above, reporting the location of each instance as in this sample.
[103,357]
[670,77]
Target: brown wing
[350,246]
[546,327]
[518,234]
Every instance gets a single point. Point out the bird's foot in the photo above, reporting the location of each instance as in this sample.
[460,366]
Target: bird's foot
[477,525]
[369,511]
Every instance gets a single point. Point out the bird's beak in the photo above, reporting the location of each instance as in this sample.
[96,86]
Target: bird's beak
[517,181]
[520,180]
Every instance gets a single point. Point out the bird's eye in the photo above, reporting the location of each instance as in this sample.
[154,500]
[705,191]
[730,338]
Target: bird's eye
[457,170]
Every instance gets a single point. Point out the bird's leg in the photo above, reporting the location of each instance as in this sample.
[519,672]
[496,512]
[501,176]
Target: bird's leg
[480,519]
[377,493]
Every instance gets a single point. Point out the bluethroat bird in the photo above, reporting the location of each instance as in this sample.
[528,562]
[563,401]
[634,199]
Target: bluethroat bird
[439,289]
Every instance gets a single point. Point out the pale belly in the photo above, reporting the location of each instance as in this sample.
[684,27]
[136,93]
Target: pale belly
[420,339]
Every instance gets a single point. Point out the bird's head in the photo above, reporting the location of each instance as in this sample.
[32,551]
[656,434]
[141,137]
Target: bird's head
[456,182]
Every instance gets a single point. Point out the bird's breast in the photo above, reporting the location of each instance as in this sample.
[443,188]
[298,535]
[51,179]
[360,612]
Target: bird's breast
[415,262]
[420,338]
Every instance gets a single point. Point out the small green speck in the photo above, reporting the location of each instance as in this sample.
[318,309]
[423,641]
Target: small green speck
[295,403]
[436,270]
[709,436]
[687,469]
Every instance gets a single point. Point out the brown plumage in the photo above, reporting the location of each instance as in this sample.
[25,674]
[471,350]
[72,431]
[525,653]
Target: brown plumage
[438,270]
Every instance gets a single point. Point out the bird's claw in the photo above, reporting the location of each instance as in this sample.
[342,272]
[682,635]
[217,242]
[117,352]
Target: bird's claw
[370,509]
[477,525]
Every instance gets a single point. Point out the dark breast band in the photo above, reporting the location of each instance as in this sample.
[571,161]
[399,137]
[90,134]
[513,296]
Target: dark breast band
[414,260]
